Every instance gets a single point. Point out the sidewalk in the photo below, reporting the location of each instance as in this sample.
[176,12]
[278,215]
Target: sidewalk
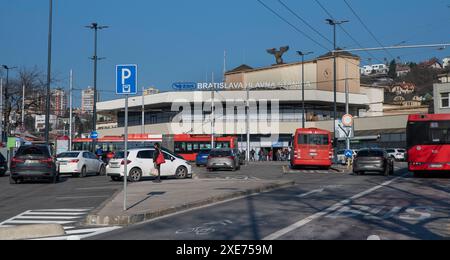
[149,200]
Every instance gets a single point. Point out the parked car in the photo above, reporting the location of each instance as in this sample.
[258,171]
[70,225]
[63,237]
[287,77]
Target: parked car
[80,164]
[397,154]
[373,160]
[33,162]
[3,165]
[223,159]
[202,157]
[140,165]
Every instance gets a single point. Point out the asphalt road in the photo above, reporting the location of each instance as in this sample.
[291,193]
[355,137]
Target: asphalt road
[321,206]
[69,193]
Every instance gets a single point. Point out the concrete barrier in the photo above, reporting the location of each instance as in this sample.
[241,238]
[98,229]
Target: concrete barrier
[31,232]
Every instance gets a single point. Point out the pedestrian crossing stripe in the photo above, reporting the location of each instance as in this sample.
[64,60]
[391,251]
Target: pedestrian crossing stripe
[68,218]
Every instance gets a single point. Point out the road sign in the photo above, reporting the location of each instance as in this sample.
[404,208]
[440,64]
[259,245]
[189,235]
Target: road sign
[347,120]
[94,135]
[342,131]
[348,153]
[126,80]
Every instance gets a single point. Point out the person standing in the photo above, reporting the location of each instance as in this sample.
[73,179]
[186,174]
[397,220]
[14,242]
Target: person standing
[158,160]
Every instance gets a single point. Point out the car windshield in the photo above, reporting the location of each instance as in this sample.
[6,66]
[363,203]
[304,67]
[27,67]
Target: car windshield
[371,153]
[68,155]
[341,152]
[313,139]
[220,153]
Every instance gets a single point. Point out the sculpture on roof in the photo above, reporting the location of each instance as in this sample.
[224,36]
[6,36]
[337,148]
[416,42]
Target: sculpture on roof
[278,54]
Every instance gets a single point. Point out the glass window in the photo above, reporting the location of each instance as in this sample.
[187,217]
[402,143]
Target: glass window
[312,139]
[371,153]
[145,154]
[68,155]
[445,100]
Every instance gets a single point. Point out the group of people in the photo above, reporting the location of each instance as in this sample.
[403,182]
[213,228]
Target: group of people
[268,155]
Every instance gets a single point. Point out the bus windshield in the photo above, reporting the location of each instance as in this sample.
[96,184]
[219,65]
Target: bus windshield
[313,139]
[428,133]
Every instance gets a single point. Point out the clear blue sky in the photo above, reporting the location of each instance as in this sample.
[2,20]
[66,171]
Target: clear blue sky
[179,40]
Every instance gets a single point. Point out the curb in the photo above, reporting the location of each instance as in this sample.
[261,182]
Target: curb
[31,232]
[121,220]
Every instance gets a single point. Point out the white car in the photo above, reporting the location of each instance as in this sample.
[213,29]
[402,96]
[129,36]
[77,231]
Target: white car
[80,164]
[397,154]
[140,164]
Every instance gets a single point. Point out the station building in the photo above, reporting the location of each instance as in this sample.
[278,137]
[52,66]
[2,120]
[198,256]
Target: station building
[275,106]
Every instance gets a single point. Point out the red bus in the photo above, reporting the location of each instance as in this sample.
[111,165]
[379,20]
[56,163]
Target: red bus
[188,146]
[312,147]
[116,143]
[428,141]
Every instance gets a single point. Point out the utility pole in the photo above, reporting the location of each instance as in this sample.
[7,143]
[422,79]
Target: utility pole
[334,23]
[303,54]
[71,110]
[23,108]
[347,101]
[213,108]
[248,122]
[1,110]
[95,58]
[7,104]
[49,72]
[143,111]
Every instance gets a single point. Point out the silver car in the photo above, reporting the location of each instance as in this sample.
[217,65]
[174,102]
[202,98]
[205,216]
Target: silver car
[223,159]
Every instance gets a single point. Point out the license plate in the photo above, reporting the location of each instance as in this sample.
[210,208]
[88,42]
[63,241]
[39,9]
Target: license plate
[313,154]
[62,163]
[436,166]
[31,162]
[115,166]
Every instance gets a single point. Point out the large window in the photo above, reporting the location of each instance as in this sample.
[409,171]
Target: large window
[445,100]
[428,133]
[311,139]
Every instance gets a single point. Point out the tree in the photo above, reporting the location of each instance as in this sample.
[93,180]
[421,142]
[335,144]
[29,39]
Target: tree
[393,69]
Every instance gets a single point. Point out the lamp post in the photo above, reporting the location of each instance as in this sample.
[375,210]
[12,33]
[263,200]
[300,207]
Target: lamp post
[6,100]
[95,58]
[333,23]
[303,54]
[49,68]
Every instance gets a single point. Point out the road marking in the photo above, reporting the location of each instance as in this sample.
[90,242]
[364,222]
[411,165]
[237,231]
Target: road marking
[311,192]
[81,197]
[327,211]
[68,218]
[98,188]
[374,238]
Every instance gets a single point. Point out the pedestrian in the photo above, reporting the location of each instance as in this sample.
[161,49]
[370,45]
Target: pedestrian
[252,155]
[99,152]
[270,155]
[158,160]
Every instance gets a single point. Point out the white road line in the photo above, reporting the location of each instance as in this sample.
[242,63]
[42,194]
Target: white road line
[81,197]
[39,222]
[311,192]
[45,217]
[63,210]
[327,211]
[53,214]
[82,235]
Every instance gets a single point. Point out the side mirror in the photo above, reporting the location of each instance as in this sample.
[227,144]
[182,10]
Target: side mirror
[172,159]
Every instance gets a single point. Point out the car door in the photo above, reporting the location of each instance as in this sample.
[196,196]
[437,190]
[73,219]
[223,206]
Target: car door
[169,168]
[144,160]
[87,162]
[96,163]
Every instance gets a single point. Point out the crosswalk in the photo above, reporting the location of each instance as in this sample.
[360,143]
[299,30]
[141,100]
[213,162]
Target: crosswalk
[70,219]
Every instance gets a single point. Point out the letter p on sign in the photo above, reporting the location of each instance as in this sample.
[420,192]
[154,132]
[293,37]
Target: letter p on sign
[126,79]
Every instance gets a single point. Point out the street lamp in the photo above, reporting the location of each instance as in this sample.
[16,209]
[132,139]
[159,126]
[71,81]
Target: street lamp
[95,58]
[333,23]
[6,121]
[49,71]
[303,54]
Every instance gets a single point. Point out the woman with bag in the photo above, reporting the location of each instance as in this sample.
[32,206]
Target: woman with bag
[158,160]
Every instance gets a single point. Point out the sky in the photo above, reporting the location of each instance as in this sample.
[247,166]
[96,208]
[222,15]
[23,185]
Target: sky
[179,40]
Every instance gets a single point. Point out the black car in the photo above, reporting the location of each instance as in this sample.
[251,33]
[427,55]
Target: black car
[33,162]
[373,160]
[3,165]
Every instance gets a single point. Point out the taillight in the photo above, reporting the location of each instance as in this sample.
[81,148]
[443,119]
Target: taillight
[232,158]
[123,162]
[15,161]
[48,161]
[75,161]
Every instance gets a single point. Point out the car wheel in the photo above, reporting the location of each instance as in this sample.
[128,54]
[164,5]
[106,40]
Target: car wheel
[181,173]
[135,175]
[83,172]
[102,171]
[387,171]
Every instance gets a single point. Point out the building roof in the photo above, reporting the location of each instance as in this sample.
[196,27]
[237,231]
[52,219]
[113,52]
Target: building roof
[242,68]
[339,54]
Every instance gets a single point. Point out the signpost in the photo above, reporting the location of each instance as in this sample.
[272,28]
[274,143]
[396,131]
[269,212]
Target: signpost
[94,135]
[126,84]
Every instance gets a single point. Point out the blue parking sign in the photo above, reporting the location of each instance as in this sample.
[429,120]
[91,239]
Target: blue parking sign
[126,79]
